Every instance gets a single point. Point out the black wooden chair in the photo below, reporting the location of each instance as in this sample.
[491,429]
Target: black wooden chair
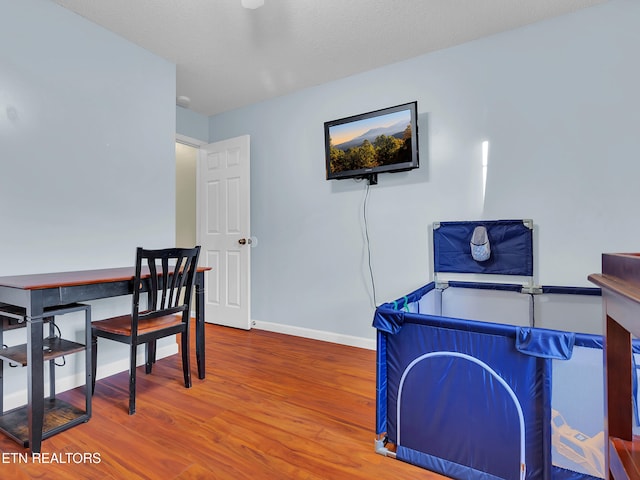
[167,277]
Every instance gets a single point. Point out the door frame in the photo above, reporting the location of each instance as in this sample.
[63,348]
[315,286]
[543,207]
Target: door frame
[195,143]
[190,141]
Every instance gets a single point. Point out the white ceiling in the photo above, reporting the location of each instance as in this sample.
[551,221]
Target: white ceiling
[228,56]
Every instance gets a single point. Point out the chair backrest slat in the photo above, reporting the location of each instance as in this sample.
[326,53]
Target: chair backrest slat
[153,280]
[177,282]
[169,285]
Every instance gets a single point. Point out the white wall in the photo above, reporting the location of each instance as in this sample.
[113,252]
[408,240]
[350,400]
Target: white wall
[559,103]
[87,153]
[192,124]
[88,146]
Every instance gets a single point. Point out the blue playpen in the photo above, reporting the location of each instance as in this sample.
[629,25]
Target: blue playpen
[489,380]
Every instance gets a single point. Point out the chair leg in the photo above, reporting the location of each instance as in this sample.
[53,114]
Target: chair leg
[153,352]
[186,368]
[150,353]
[132,379]
[94,362]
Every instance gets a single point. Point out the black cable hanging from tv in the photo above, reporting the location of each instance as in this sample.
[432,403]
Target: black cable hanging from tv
[368,241]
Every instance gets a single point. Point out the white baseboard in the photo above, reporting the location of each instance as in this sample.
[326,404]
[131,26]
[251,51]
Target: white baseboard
[360,342]
[19,398]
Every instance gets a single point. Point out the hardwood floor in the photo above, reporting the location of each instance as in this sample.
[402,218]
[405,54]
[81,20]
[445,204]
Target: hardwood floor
[272,406]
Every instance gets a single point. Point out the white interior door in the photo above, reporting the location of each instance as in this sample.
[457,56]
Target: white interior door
[223,224]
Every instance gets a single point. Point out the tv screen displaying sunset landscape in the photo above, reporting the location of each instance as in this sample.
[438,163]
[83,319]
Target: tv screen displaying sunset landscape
[380,141]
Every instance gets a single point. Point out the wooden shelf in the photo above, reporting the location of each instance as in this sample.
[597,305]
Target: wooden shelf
[53,348]
[58,416]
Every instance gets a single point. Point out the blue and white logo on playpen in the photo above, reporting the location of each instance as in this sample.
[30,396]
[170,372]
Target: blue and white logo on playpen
[480,247]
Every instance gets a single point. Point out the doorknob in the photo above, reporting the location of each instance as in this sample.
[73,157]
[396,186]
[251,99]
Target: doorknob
[244,241]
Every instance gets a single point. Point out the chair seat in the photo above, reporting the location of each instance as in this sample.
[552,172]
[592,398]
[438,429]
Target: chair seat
[122,325]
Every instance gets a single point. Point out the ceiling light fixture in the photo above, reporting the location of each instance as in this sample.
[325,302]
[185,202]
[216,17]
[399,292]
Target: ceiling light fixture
[252,4]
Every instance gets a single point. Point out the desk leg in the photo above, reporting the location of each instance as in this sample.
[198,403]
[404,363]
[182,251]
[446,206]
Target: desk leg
[1,368]
[200,324]
[35,383]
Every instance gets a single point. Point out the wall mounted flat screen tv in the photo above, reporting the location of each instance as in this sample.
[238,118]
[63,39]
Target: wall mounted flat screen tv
[382,141]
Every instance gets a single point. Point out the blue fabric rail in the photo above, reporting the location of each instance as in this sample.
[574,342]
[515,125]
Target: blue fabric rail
[391,321]
[572,290]
[544,343]
[507,287]
[381,383]
[416,295]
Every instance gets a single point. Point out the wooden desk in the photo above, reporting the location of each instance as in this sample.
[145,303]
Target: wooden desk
[36,292]
[620,283]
